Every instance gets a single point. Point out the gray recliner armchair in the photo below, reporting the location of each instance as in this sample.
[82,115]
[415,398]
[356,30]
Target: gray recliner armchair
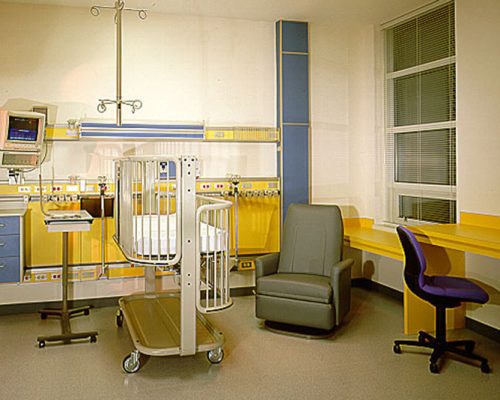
[308,284]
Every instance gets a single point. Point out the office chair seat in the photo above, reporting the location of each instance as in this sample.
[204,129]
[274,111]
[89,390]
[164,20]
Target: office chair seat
[442,292]
[459,289]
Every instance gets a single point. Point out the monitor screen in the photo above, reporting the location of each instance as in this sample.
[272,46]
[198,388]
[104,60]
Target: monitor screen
[23,129]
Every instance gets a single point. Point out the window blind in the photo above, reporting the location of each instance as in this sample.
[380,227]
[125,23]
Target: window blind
[420,117]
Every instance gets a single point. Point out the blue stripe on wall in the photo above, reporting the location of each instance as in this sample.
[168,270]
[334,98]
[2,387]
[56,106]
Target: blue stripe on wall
[141,126]
[142,135]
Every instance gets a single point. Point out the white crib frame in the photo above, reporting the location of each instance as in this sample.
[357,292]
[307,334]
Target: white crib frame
[188,255]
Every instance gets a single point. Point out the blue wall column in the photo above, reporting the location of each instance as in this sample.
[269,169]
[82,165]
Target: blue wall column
[292,58]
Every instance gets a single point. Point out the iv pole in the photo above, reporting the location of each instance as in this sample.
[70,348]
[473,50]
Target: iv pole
[136,104]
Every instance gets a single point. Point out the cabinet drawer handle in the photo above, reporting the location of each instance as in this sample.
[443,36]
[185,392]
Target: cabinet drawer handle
[2,244]
[2,225]
[2,266]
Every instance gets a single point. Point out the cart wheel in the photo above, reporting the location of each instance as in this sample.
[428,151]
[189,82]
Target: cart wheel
[397,349]
[132,363]
[93,339]
[215,356]
[43,316]
[119,318]
[41,344]
[86,312]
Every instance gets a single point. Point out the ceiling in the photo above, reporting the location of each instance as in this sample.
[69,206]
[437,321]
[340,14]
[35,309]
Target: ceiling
[319,11]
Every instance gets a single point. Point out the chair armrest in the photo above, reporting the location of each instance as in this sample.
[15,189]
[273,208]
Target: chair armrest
[266,265]
[341,284]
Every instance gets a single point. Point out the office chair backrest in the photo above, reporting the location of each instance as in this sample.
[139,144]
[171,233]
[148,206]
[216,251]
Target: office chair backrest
[415,263]
[313,237]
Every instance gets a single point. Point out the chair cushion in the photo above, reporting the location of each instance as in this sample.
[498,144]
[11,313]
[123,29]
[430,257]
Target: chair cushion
[455,288]
[306,287]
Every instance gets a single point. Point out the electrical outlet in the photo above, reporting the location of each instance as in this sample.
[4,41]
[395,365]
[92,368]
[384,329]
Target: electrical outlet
[205,186]
[37,189]
[24,189]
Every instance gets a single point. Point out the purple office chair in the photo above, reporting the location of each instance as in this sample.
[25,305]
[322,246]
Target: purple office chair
[442,292]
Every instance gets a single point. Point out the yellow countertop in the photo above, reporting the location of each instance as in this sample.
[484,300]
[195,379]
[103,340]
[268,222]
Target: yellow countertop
[360,234]
[469,238]
[479,235]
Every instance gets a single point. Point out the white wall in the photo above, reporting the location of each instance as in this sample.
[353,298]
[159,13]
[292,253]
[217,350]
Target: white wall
[183,68]
[478,134]
[90,159]
[343,122]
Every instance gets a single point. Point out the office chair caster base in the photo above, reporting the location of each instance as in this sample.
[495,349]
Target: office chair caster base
[433,367]
[485,368]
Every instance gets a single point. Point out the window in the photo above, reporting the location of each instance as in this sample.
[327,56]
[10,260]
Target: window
[420,118]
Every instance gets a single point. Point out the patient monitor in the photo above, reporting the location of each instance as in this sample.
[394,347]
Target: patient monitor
[21,138]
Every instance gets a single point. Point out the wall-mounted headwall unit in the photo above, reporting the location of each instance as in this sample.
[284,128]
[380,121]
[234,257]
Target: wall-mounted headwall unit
[140,131]
[292,58]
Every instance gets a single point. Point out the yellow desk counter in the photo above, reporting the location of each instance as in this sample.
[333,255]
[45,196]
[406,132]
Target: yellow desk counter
[444,246]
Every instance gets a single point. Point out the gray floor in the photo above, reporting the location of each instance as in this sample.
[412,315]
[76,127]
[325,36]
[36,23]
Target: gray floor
[356,363]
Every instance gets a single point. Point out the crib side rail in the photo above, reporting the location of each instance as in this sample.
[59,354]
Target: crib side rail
[148,210]
[212,249]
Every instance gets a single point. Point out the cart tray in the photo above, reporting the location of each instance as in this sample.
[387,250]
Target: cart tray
[153,321]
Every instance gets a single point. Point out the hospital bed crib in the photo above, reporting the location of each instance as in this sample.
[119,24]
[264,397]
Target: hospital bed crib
[162,223]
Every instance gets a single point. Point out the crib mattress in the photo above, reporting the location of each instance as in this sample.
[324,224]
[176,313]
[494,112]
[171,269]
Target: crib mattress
[149,234]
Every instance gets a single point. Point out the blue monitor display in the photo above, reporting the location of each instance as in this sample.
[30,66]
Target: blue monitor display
[23,129]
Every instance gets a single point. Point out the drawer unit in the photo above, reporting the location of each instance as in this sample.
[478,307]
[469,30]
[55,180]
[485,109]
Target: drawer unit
[11,248]
[9,226]
[9,269]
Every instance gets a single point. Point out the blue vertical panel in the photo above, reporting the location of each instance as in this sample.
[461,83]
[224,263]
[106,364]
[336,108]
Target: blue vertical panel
[295,88]
[295,147]
[278,69]
[295,37]
[292,62]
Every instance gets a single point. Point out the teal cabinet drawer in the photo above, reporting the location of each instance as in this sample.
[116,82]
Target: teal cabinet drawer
[9,226]
[9,246]
[9,269]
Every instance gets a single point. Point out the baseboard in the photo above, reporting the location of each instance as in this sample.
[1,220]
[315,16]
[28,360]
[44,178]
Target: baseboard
[483,329]
[473,325]
[377,287]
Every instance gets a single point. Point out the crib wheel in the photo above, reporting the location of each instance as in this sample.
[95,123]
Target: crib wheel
[215,356]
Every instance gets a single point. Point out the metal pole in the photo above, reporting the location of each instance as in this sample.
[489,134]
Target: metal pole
[65,272]
[119,6]
[236,230]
